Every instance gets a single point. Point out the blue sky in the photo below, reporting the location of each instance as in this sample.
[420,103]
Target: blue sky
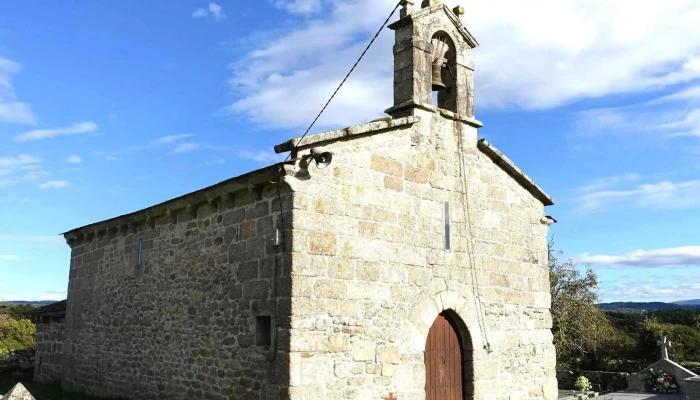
[115,106]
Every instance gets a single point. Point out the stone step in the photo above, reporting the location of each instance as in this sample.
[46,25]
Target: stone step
[576,395]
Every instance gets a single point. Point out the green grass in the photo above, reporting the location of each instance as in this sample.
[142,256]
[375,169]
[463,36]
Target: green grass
[42,391]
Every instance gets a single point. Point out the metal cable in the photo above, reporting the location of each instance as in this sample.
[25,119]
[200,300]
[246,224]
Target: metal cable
[346,77]
[273,348]
[280,167]
[470,251]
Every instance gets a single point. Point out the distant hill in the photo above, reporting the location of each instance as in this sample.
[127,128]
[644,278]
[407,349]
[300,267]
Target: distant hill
[695,302]
[31,303]
[650,306]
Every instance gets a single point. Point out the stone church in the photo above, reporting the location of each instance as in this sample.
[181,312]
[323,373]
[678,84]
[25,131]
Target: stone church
[401,259]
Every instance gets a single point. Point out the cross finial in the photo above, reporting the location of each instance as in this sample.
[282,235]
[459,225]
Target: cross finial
[665,344]
[391,397]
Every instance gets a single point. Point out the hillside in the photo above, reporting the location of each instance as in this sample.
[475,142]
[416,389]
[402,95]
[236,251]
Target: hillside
[649,306]
[31,303]
[695,302]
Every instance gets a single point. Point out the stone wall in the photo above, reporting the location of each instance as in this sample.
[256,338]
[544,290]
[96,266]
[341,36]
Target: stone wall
[183,323]
[49,350]
[371,272]
[692,388]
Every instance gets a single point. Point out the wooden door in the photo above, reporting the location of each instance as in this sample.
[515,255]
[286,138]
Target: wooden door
[443,362]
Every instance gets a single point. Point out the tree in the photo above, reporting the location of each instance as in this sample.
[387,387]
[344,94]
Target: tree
[18,311]
[578,325]
[685,340]
[16,335]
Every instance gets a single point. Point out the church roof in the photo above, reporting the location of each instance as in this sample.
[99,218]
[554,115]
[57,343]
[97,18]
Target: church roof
[211,193]
[507,165]
[384,124]
[57,309]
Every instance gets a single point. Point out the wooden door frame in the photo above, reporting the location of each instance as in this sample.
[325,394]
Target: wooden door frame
[466,349]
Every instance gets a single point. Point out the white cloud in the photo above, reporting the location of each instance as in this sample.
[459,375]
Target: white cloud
[687,125]
[215,10]
[670,116]
[6,183]
[57,295]
[8,257]
[54,184]
[186,148]
[300,6]
[603,183]
[11,110]
[199,13]
[170,139]
[75,159]
[590,49]
[647,292]
[154,144]
[75,129]
[267,157]
[212,161]
[9,165]
[660,195]
[675,256]
[22,159]
[34,175]
[49,295]
[33,240]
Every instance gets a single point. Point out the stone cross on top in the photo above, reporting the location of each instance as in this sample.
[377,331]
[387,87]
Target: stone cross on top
[665,344]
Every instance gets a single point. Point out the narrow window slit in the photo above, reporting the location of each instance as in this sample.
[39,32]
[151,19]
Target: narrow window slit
[140,252]
[447,225]
[263,330]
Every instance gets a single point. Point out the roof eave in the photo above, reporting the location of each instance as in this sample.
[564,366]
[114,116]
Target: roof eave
[508,166]
[210,193]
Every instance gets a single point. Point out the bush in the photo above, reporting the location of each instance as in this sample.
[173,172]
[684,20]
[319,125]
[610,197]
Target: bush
[582,383]
[16,335]
[19,311]
[684,339]
[693,366]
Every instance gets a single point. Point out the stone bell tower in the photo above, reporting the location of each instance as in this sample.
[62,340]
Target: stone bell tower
[432,34]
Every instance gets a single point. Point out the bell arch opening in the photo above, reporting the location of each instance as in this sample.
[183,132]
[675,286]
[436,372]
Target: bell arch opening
[448,357]
[444,78]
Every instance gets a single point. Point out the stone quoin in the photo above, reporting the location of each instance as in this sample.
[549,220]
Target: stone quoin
[294,282]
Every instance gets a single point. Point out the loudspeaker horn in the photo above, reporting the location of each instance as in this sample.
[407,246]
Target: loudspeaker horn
[321,156]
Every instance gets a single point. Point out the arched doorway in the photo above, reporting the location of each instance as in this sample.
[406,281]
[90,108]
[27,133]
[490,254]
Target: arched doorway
[445,360]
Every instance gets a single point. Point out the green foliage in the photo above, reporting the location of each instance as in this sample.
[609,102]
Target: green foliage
[677,317]
[582,383]
[685,340]
[578,325]
[694,366]
[588,338]
[16,335]
[19,311]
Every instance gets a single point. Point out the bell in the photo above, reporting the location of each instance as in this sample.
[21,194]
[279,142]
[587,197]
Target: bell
[437,78]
